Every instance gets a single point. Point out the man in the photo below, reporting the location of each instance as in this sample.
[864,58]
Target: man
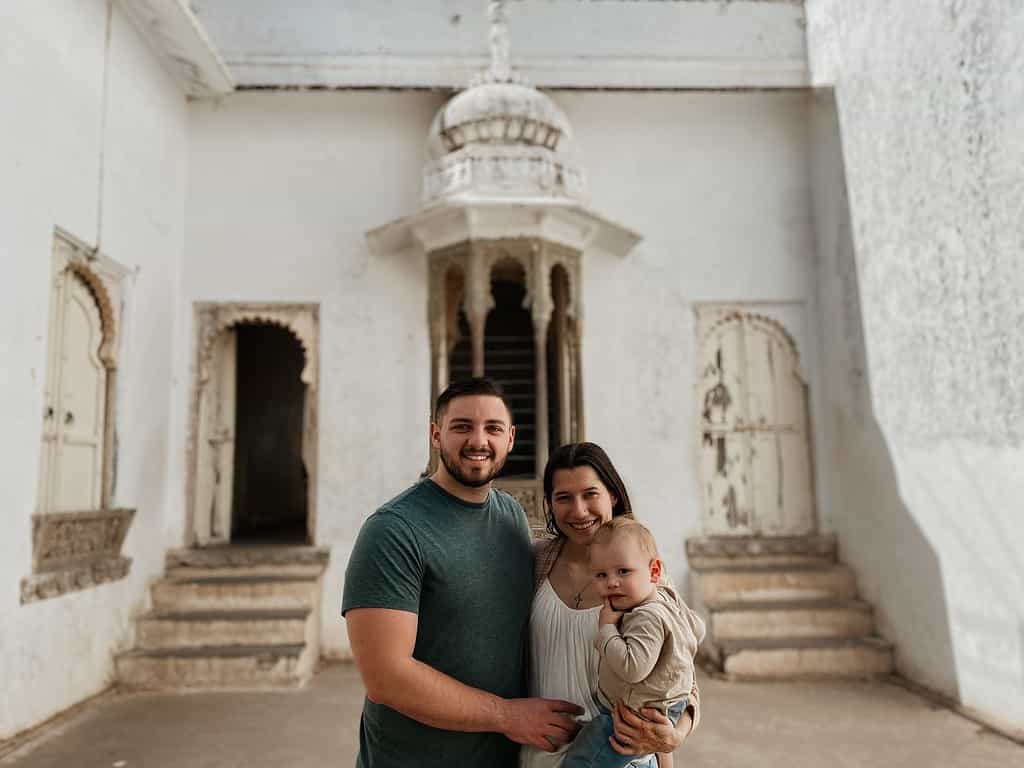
[437,600]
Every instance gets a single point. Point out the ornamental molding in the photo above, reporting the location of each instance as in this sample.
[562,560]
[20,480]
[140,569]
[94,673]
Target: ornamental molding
[477,260]
[44,586]
[499,172]
[107,350]
[301,320]
[104,279]
[72,551]
[731,316]
[558,222]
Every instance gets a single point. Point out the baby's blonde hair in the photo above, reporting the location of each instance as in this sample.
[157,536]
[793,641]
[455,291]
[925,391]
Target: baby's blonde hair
[627,526]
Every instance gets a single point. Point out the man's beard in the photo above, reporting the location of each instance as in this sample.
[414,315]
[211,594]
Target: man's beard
[451,463]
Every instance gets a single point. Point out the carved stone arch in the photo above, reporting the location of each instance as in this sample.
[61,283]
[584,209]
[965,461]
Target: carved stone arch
[569,260]
[299,321]
[771,325]
[108,322]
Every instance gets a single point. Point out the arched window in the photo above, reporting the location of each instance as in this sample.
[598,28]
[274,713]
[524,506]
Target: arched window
[505,309]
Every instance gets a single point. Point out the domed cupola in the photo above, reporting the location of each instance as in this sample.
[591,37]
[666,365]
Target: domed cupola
[501,137]
[504,226]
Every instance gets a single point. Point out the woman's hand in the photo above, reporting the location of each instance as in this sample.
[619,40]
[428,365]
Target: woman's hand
[635,735]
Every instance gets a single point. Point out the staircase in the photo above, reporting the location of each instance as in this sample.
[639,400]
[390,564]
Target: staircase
[230,617]
[783,608]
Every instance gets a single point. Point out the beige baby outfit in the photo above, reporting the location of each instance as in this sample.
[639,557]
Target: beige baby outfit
[648,660]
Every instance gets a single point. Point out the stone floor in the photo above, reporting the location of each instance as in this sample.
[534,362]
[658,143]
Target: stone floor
[777,725]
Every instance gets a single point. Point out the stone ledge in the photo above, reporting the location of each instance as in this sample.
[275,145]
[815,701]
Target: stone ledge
[43,586]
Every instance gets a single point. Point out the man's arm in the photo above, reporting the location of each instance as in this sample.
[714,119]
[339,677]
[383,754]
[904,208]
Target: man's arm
[382,642]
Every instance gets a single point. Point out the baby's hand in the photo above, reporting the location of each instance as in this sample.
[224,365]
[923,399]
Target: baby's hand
[608,614]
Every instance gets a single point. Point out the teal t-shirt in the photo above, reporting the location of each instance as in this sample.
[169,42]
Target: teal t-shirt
[466,570]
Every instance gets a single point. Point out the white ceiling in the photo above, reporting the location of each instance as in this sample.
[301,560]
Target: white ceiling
[556,43]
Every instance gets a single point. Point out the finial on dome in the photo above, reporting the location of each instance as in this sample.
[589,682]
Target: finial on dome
[500,70]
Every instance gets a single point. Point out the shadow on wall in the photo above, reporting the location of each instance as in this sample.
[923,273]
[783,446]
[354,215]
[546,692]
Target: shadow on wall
[897,568]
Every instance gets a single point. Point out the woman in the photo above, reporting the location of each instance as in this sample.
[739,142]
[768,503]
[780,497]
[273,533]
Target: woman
[582,490]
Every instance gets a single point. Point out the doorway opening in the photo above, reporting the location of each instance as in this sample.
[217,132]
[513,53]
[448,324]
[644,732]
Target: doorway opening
[271,482]
[255,427]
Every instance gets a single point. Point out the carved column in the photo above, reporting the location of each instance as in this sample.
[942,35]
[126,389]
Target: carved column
[562,370]
[436,323]
[575,312]
[479,302]
[541,307]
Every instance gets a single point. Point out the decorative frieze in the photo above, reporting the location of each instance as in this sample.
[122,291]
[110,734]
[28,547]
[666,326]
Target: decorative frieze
[43,586]
[72,551]
[512,170]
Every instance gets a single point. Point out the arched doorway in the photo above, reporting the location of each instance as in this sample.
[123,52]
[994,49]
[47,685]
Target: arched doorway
[755,451]
[254,471]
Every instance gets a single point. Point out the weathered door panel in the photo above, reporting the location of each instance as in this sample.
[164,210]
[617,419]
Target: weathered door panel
[215,446]
[755,455]
[80,419]
[725,458]
[725,450]
[74,412]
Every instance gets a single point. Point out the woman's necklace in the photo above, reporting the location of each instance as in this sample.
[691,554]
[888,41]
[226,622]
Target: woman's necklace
[578,597]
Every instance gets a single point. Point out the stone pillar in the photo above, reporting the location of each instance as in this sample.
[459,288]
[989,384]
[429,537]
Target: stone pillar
[541,306]
[562,370]
[479,303]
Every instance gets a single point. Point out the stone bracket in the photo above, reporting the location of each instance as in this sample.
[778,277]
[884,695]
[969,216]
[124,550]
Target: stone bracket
[72,551]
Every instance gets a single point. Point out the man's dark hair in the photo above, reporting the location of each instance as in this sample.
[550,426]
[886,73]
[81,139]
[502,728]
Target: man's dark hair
[475,386]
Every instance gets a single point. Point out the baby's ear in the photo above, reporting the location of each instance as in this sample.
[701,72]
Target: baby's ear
[655,571]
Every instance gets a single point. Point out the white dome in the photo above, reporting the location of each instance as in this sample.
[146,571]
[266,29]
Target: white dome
[498,113]
[502,139]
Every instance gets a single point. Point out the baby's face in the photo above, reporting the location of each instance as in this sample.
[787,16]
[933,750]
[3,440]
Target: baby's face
[623,572]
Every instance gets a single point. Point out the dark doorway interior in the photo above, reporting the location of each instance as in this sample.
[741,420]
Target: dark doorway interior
[270,478]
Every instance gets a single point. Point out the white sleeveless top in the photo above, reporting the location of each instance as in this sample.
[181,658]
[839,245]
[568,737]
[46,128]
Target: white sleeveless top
[563,662]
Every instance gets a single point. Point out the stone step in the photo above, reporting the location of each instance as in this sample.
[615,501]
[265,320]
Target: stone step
[199,629]
[709,553]
[231,556]
[804,618]
[290,569]
[806,658]
[763,584]
[235,593]
[255,666]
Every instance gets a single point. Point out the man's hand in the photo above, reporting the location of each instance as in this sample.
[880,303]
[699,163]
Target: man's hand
[608,614]
[543,723]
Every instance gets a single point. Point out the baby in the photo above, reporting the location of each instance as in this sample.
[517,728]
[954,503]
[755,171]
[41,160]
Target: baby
[647,638]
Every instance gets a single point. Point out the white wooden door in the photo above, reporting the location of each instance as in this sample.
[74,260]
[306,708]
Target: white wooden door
[215,445]
[755,456]
[74,415]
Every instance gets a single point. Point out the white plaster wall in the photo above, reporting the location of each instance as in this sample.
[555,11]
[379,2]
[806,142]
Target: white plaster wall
[897,566]
[930,109]
[59,651]
[283,186]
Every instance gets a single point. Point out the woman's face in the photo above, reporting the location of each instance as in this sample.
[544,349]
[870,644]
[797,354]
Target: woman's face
[580,503]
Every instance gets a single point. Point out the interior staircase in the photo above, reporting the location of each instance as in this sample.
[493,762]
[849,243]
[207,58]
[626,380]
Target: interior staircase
[783,609]
[230,617]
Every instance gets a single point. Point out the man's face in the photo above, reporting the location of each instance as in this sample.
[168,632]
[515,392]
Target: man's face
[624,574]
[474,438]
